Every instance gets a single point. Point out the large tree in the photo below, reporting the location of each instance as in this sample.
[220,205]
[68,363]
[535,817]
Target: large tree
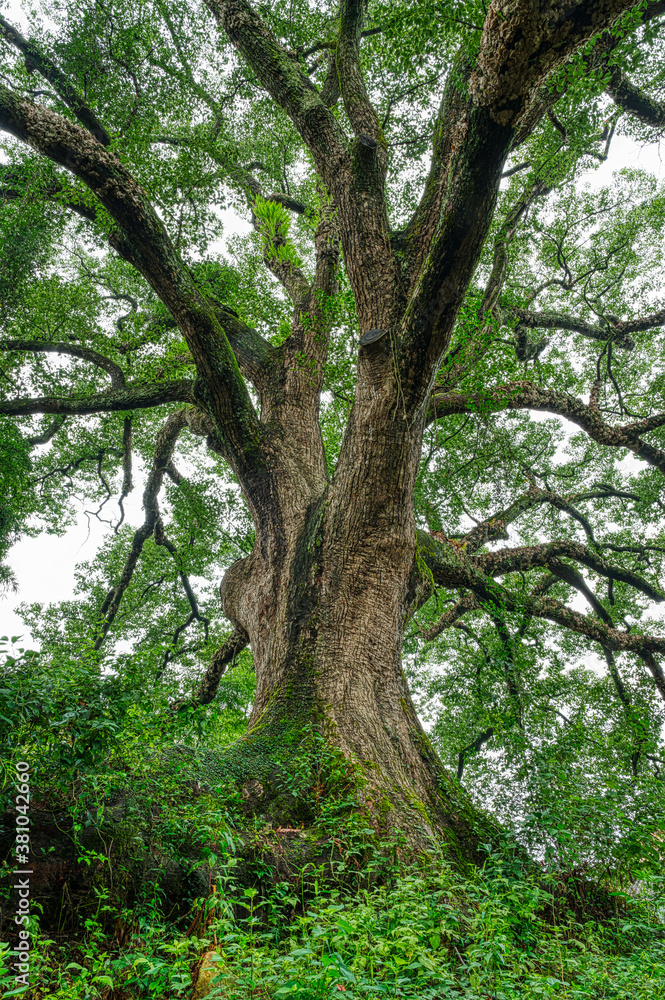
[421,277]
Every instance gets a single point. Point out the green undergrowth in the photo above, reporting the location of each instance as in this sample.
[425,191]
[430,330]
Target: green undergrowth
[427,933]
[176,880]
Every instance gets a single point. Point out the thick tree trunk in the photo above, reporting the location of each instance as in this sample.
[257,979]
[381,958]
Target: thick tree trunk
[324,599]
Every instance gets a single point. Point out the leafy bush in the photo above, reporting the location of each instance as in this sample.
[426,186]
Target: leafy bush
[428,934]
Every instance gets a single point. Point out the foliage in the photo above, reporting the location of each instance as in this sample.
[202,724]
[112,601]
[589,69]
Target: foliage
[426,934]
[95,740]
[187,120]
[16,492]
[565,297]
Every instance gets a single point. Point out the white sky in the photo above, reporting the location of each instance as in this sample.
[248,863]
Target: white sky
[44,566]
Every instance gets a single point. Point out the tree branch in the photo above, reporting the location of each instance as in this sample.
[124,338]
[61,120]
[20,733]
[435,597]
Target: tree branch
[527,396]
[164,447]
[574,579]
[254,354]
[451,567]
[647,657]
[36,60]
[127,484]
[162,539]
[466,603]
[330,92]
[494,528]
[354,175]
[528,557]
[362,116]
[519,46]
[50,432]
[476,745]
[505,236]
[634,101]
[619,333]
[13,179]
[284,80]
[84,353]
[135,396]
[605,635]
[225,655]
[209,685]
[143,241]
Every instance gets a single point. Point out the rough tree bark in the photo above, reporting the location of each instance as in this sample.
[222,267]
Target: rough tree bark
[336,570]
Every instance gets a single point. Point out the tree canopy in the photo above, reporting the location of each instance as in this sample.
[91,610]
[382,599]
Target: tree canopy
[425,287]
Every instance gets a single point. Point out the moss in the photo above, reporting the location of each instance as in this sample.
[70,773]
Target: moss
[384,807]
[284,772]
[418,805]
[423,568]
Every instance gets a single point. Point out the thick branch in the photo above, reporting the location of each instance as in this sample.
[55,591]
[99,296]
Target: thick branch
[353,174]
[605,635]
[143,241]
[225,655]
[36,60]
[619,334]
[574,579]
[136,396]
[330,92]
[527,396]
[528,557]
[284,80]
[647,657]
[361,114]
[520,45]
[633,100]
[255,355]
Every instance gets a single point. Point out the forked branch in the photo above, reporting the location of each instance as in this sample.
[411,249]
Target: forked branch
[164,448]
[529,557]
[144,242]
[528,396]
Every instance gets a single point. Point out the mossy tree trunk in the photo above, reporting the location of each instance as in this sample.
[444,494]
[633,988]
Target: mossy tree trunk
[333,578]
[324,600]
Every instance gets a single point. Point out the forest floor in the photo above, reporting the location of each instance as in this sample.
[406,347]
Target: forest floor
[362,921]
